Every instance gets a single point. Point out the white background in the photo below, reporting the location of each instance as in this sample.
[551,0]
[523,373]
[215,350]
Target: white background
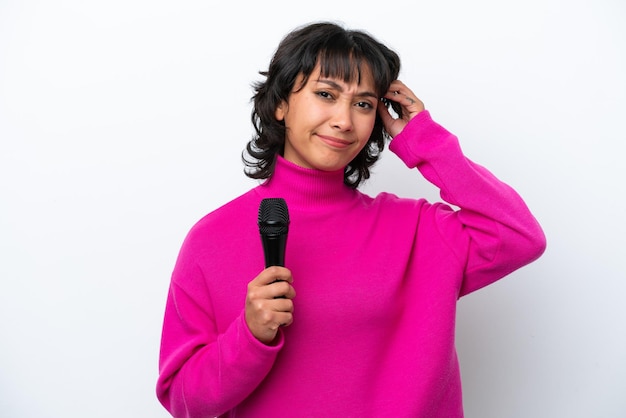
[122,123]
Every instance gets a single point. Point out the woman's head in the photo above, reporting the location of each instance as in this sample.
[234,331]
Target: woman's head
[324,50]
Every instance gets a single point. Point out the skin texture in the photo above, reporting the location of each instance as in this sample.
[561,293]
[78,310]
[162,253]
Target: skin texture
[328,122]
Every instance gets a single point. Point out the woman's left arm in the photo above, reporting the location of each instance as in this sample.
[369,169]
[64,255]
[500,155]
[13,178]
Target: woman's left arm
[502,234]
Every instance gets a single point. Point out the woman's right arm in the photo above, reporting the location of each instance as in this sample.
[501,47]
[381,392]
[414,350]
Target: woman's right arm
[203,372]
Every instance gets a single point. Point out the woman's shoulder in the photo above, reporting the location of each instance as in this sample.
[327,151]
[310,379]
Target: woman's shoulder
[230,216]
[392,201]
[393,205]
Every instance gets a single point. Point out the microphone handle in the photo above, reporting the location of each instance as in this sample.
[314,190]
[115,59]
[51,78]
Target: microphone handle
[274,249]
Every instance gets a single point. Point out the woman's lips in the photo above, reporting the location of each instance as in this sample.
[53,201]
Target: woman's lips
[335,142]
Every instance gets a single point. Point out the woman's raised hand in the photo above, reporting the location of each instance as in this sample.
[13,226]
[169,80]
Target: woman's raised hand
[399,93]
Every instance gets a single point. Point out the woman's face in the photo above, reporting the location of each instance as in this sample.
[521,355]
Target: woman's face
[328,121]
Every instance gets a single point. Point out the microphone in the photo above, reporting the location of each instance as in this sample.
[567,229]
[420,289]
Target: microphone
[273,227]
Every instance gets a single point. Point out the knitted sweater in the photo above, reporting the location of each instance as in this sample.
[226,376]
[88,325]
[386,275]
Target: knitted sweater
[377,281]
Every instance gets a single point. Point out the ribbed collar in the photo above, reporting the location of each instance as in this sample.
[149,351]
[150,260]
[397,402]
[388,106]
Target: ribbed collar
[305,187]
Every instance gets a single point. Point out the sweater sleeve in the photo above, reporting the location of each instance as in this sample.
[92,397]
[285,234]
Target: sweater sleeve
[499,232]
[202,372]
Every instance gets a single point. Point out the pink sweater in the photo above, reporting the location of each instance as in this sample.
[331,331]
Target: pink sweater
[377,282]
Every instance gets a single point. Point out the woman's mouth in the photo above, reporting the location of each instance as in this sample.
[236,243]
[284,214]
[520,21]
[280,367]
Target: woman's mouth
[335,142]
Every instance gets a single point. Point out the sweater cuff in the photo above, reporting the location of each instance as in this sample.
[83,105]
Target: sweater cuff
[419,138]
[272,348]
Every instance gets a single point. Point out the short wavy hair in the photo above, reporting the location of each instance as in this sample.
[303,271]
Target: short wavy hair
[341,53]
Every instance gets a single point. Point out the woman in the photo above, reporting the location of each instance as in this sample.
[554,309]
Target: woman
[371,331]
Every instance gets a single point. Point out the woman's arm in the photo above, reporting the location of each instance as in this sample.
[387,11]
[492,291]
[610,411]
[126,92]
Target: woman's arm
[202,372]
[502,234]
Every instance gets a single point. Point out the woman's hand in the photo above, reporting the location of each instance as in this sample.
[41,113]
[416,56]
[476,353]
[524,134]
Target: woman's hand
[269,303]
[410,105]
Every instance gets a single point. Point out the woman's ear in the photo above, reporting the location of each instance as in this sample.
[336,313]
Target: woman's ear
[279,113]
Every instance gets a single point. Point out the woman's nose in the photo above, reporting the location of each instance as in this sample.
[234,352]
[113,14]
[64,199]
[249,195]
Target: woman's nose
[342,117]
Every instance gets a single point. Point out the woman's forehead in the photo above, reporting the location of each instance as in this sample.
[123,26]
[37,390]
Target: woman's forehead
[360,74]
[346,67]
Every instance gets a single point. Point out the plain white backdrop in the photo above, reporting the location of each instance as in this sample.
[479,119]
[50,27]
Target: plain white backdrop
[122,123]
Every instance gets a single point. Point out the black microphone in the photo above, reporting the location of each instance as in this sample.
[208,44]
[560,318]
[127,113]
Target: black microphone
[273,227]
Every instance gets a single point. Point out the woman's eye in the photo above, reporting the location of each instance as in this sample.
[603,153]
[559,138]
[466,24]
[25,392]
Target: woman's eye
[365,105]
[324,94]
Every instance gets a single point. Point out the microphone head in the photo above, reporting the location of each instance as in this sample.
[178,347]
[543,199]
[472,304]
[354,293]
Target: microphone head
[273,216]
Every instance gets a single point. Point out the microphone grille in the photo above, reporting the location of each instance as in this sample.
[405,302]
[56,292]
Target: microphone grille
[273,216]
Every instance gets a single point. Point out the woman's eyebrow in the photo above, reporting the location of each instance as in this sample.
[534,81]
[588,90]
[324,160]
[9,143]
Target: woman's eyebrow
[337,86]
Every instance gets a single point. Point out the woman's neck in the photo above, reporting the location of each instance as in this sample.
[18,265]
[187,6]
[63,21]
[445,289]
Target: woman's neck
[303,187]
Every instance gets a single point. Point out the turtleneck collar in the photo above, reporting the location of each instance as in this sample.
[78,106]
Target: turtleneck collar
[301,186]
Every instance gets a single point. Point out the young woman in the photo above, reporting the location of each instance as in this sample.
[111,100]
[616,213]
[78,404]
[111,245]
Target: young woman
[371,330]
